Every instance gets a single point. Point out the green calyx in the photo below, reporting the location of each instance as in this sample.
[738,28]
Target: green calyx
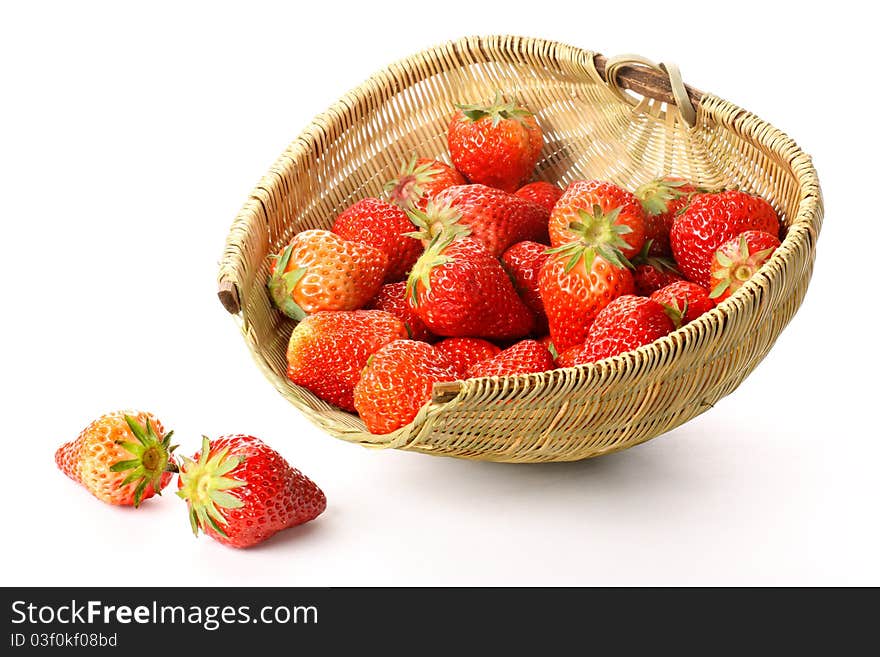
[435,219]
[282,284]
[420,274]
[498,110]
[659,263]
[675,312]
[737,269]
[151,458]
[408,189]
[595,234]
[205,487]
[655,195]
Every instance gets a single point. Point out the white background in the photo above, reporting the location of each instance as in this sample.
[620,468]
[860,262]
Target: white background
[130,138]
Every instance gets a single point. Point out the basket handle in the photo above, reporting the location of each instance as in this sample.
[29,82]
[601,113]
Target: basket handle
[658,81]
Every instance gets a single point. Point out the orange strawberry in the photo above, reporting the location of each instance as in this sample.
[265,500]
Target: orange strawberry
[524,357]
[121,458]
[420,181]
[460,290]
[328,350]
[543,193]
[496,145]
[684,301]
[462,353]
[600,215]
[383,226]
[321,271]
[392,299]
[737,260]
[661,200]
[397,382]
[494,217]
[523,262]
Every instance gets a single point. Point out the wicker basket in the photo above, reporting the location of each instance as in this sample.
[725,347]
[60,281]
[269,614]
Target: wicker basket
[593,129]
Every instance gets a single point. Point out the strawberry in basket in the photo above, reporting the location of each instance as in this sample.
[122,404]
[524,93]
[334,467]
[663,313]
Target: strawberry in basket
[392,299]
[661,200]
[737,260]
[420,181]
[463,353]
[523,357]
[543,193]
[496,145]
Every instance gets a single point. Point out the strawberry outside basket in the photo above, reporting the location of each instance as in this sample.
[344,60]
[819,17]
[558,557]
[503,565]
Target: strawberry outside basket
[593,128]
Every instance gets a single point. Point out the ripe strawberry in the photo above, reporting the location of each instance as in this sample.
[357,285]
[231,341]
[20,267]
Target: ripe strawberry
[392,299]
[575,285]
[496,145]
[661,199]
[684,301]
[463,353]
[625,324]
[601,215]
[121,458]
[708,221]
[568,358]
[328,350]
[652,272]
[321,271]
[543,193]
[397,382]
[496,218]
[524,357]
[420,181]
[460,290]
[240,491]
[383,226]
[737,260]
[523,262]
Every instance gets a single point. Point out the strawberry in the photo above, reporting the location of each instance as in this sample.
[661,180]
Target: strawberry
[121,458]
[575,284]
[496,145]
[397,382]
[708,221]
[601,215]
[496,218]
[319,270]
[625,324]
[420,181]
[392,299]
[383,226]
[568,358]
[240,491]
[661,199]
[652,272]
[328,350]
[460,290]
[737,260]
[543,193]
[523,262]
[462,353]
[684,301]
[524,357]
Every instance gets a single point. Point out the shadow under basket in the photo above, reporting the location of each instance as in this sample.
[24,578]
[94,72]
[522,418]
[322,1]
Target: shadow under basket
[593,128]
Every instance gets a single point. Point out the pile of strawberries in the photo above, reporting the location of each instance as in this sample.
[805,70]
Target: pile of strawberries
[473,271]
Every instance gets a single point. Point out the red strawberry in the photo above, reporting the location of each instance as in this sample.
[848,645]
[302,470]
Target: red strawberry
[421,180]
[737,260]
[601,215]
[120,458]
[496,218]
[568,358]
[462,353]
[397,382]
[523,261]
[653,272]
[575,286]
[392,299]
[543,193]
[459,289]
[328,350]
[661,199]
[496,145]
[321,271]
[708,221]
[383,226]
[524,357]
[684,301]
[625,324]
[240,491]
